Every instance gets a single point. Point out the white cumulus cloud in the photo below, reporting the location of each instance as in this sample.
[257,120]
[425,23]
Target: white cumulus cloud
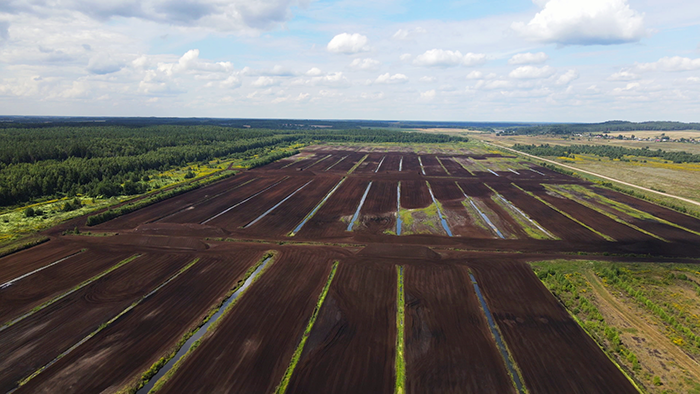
[675,63]
[567,77]
[584,22]
[528,58]
[348,43]
[532,72]
[391,79]
[445,58]
[623,75]
[365,64]
[262,82]
[428,95]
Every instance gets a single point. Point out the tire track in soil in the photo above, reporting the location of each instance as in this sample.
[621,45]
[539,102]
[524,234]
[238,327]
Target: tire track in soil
[40,338]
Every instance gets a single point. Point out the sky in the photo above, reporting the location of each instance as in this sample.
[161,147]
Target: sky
[455,60]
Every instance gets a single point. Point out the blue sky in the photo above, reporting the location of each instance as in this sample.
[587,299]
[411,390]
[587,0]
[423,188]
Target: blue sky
[461,60]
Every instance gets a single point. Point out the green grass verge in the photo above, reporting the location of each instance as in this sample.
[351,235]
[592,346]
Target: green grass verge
[153,370]
[598,209]
[357,164]
[400,364]
[282,387]
[604,236]
[107,323]
[69,292]
[212,328]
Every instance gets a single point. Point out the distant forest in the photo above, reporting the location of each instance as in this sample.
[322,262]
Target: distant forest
[612,152]
[40,161]
[606,127]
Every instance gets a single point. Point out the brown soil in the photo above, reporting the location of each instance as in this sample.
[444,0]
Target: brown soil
[352,345]
[38,288]
[38,339]
[553,352]
[351,348]
[118,354]
[449,347]
[252,347]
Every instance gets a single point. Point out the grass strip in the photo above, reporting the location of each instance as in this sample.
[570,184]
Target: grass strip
[589,205]
[463,166]
[105,324]
[282,387]
[606,237]
[400,364]
[156,367]
[128,208]
[357,164]
[69,292]
[624,208]
[442,165]
[530,226]
[19,246]
[212,328]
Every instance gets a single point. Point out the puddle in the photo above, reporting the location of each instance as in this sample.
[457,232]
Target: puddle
[442,218]
[333,165]
[313,212]
[401,164]
[276,205]
[513,171]
[537,172]
[242,202]
[380,164]
[486,219]
[497,335]
[421,165]
[524,215]
[489,170]
[11,282]
[398,206]
[357,212]
[202,330]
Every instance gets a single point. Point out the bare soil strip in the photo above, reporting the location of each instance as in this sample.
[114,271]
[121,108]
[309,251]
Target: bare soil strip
[253,349]
[119,353]
[553,352]
[352,346]
[42,337]
[449,347]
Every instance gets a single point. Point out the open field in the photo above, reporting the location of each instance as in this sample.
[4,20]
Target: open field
[369,289]
[681,179]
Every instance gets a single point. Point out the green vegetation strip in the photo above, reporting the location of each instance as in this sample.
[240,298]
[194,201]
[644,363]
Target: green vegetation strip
[400,364]
[598,209]
[282,387]
[123,210]
[570,287]
[463,166]
[531,227]
[357,164]
[442,165]
[606,237]
[624,208]
[106,324]
[71,291]
[21,245]
[156,367]
[212,328]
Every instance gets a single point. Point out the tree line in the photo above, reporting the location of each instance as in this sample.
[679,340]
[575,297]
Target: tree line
[107,160]
[605,127]
[609,151]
